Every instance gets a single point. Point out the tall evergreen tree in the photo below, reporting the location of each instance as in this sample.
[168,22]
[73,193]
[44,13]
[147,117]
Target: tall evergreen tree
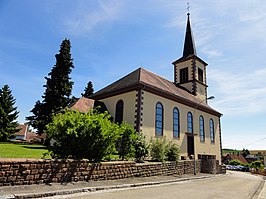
[8,114]
[88,90]
[58,89]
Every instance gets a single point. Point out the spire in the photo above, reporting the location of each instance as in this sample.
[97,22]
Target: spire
[189,46]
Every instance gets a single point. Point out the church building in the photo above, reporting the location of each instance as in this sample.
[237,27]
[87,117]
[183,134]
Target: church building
[177,110]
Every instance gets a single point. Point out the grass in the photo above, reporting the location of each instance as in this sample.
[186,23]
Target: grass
[226,151]
[10,150]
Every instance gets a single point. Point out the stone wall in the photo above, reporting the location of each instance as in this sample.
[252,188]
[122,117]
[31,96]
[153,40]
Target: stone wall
[34,171]
[209,164]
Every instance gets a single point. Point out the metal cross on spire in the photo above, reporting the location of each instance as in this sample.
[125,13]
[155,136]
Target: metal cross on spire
[188,8]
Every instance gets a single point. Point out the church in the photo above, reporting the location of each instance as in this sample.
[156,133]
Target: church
[177,110]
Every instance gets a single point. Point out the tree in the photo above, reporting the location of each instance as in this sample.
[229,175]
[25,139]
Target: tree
[8,114]
[245,153]
[77,135]
[58,89]
[88,90]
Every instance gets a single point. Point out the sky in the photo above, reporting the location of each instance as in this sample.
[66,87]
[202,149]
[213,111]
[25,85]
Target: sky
[111,38]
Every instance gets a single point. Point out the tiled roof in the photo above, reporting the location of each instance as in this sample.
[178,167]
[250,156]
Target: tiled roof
[83,105]
[236,157]
[148,80]
[23,129]
[31,135]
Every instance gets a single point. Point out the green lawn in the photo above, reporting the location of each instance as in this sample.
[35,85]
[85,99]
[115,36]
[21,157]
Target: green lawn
[10,150]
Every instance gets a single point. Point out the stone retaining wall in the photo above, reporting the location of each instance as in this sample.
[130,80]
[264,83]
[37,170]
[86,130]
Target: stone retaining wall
[39,171]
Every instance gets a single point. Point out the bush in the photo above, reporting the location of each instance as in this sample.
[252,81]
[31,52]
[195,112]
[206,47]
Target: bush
[173,152]
[235,162]
[257,165]
[78,135]
[158,149]
[125,142]
[141,147]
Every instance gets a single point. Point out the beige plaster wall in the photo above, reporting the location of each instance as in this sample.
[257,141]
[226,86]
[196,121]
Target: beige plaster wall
[129,105]
[148,122]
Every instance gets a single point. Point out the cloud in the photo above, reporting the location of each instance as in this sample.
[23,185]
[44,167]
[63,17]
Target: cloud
[88,17]
[239,92]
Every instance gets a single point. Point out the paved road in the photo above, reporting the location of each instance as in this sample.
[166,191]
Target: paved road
[234,185]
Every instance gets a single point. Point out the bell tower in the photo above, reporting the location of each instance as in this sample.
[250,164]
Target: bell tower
[190,70]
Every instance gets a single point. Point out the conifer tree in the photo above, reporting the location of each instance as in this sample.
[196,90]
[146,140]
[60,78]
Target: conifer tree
[88,90]
[58,89]
[8,114]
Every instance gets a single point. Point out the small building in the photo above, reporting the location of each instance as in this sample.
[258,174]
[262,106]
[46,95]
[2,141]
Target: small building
[22,133]
[177,110]
[230,157]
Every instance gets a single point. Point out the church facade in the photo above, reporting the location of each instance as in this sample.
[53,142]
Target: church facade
[178,110]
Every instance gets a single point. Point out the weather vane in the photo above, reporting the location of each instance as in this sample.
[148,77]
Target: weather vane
[188,7]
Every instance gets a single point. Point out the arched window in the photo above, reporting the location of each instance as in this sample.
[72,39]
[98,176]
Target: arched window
[201,129]
[159,119]
[176,123]
[212,130]
[119,109]
[189,122]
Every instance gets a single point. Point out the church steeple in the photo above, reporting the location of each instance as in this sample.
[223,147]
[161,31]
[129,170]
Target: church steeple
[189,46]
[190,70]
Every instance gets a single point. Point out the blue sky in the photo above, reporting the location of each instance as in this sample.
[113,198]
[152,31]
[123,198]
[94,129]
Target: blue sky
[111,38]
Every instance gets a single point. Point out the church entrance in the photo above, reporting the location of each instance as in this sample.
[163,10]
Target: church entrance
[190,145]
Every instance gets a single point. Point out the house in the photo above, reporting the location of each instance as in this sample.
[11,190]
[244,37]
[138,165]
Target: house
[22,133]
[230,157]
[177,110]
[25,135]
[85,104]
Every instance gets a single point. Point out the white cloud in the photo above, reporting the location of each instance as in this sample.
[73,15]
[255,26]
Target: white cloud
[87,17]
[240,93]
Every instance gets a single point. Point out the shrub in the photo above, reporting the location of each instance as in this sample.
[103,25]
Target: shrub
[257,165]
[158,149]
[235,162]
[173,152]
[125,142]
[78,135]
[141,147]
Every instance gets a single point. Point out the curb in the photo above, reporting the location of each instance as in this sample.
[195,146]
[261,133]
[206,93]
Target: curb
[95,189]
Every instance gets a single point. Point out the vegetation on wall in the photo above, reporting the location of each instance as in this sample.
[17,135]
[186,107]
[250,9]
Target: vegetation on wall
[78,135]
[124,143]
[161,150]
[8,114]
[141,147]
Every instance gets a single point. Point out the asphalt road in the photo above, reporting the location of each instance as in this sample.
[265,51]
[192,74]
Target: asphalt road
[234,185]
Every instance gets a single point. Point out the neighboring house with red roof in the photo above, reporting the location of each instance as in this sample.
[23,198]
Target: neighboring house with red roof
[22,133]
[177,110]
[230,157]
[82,105]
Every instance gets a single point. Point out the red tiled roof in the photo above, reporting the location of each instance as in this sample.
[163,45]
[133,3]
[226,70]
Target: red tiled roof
[31,136]
[236,157]
[152,82]
[23,129]
[83,105]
